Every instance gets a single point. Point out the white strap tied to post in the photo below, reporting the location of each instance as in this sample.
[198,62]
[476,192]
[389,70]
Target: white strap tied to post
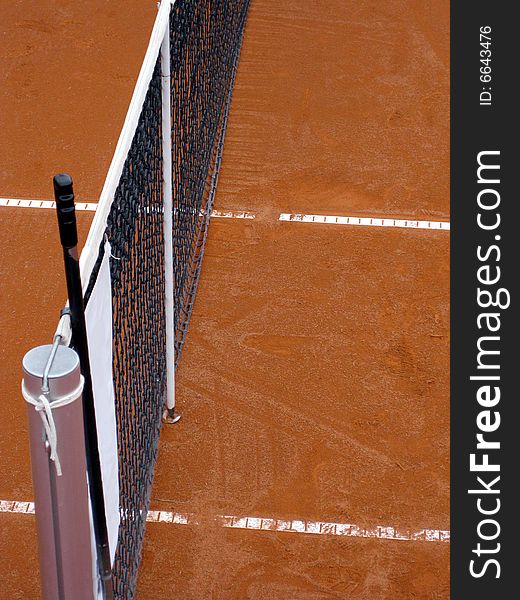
[44,406]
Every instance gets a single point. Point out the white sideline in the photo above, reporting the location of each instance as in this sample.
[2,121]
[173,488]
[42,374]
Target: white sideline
[92,207]
[232,214]
[242,214]
[365,221]
[382,532]
[45,204]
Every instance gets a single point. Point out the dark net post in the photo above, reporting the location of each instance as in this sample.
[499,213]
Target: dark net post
[66,214]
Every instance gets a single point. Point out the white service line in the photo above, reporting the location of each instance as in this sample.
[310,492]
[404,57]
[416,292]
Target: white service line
[365,221]
[382,532]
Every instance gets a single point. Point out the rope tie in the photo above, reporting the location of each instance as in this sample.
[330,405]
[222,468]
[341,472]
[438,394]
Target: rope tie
[44,406]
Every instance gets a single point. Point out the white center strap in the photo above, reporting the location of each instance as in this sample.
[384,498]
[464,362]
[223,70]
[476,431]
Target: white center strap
[45,406]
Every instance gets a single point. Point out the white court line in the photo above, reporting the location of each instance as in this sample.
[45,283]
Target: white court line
[233,214]
[92,206]
[46,204]
[15,506]
[241,214]
[382,532]
[365,221]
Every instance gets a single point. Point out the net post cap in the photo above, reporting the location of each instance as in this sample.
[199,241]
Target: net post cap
[62,183]
[65,362]
[64,375]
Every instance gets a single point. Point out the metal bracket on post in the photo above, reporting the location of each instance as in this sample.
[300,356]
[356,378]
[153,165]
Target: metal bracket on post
[52,386]
[169,414]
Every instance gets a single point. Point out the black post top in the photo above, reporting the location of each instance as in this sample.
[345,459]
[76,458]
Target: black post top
[64,196]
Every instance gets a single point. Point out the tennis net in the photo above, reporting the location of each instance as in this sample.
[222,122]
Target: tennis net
[204,45]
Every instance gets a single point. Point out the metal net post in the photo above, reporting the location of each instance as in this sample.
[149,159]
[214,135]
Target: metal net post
[52,386]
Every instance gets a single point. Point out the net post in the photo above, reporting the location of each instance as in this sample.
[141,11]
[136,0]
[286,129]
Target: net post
[52,387]
[169,415]
[66,213]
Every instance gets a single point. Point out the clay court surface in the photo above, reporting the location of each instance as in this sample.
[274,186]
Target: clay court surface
[314,382]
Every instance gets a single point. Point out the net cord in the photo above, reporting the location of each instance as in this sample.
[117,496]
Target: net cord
[90,251]
[168,220]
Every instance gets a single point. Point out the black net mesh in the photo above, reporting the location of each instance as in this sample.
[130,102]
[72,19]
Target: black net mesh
[135,231]
[205,44]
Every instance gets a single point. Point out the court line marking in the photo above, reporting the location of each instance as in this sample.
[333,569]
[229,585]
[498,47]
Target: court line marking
[45,204]
[232,214]
[242,214]
[365,221]
[92,206]
[382,532]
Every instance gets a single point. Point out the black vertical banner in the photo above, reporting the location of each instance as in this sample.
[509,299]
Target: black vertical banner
[485,251]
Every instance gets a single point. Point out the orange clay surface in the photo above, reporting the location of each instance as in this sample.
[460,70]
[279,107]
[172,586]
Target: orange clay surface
[314,382]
